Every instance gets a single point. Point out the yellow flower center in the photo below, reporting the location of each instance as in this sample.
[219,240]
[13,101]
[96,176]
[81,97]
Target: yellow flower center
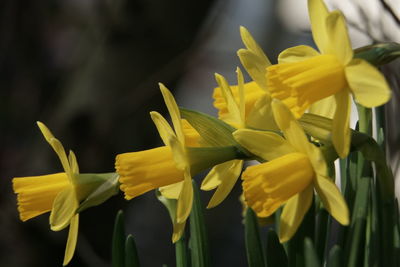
[36,194]
[269,185]
[302,83]
[146,170]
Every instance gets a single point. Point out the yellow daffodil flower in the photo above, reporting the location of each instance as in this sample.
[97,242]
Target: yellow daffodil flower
[257,100]
[167,168]
[57,193]
[294,169]
[304,76]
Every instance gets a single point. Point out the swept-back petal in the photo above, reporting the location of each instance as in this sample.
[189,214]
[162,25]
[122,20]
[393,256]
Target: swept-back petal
[333,201]
[254,66]
[252,45]
[325,107]
[171,191]
[293,213]
[242,99]
[74,166]
[64,207]
[72,239]
[318,14]
[233,115]
[36,194]
[368,85]
[227,175]
[290,127]
[173,112]
[297,53]
[56,145]
[261,116]
[163,127]
[185,199]
[267,145]
[339,42]
[341,124]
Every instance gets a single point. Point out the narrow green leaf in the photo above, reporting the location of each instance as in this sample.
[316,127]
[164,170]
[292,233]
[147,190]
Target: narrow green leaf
[131,255]
[378,54]
[118,241]
[254,248]
[310,255]
[321,232]
[198,236]
[335,257]
[275,253]
[358,223]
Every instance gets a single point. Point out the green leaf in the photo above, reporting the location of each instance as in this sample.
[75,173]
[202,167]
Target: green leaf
[358,223]
[254,248]
[98,187]
[118,241]
[310,256]
[214,131]
[198,236]
[275,253]
[378,54]
[335,257]
[131,255]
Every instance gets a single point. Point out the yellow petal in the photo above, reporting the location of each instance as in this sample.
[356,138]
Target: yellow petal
[72,239]
[254,66]
[227,175]
[163,127]
[318,14]
[56,145]
[339,42]
[333,201]
[185,200]
[242,99]
[179,228]
[171,191]
[297,53]
[341,124]
[368,85]
[261,116]
[290,127]
[173,112]
[325,107]
[74,167]
[64,207]
[36,194]
[170,139]
[267,145]
[293,213]
[252,45]
[233,115]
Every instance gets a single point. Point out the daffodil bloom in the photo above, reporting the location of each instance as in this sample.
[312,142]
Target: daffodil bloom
[294,169]
[55,192]
[169,168]
[257,100]
[304,76]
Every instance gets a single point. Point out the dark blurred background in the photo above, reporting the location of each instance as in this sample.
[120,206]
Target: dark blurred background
[89,70]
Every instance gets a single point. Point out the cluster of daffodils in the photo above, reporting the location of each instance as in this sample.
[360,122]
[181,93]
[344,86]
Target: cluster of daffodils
[258,120]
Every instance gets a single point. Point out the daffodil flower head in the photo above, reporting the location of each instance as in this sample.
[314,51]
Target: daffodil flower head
[294,168]
[167,168]
[55,192]
[305,76]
